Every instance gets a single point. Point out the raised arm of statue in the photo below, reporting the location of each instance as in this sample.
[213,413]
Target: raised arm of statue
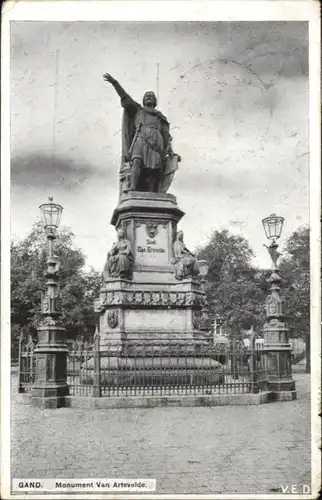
[126,100]
[119,89]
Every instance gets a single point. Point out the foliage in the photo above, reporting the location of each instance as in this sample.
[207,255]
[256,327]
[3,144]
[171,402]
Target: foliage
[236,290]
[295,271]
[77,287]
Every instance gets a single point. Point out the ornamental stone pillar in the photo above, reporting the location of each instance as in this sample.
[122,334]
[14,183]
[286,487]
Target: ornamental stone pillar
[276,344]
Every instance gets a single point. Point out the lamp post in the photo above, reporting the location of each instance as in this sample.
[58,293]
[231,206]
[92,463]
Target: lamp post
[50,386]
[276,344]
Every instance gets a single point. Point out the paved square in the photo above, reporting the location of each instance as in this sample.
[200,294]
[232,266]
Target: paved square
[244,449]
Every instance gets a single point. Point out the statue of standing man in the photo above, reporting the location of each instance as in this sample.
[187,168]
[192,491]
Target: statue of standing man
[146,143]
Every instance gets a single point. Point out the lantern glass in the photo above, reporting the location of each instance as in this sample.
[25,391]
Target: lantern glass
[51,213]
[203,268]
[273,226]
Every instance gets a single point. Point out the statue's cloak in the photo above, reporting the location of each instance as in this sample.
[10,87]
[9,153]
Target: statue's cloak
[128,125]
[130,108]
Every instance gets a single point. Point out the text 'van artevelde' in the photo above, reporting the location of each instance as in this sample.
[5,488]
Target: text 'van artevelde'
[101,484]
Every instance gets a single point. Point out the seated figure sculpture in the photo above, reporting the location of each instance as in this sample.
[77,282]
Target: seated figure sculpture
[119,260]
[185,263]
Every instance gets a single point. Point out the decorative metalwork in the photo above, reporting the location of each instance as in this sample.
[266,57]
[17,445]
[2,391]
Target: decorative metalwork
[50,303]
[27,365]
[185,368]
[51,213]
[274,254]
[273,226]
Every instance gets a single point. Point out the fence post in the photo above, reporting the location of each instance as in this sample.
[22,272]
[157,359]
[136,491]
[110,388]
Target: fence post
[21,389]
[97,367]
[234,370]
[253,365]
[30,351]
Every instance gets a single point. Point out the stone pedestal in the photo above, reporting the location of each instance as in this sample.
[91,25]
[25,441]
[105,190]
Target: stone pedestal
[153,308]
[276,345]
[50,385]
[154,305]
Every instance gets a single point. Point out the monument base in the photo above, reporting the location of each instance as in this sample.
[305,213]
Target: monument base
[156,371]
[50,386]
[49,396]
[284,395]
[207,399]
[281,385]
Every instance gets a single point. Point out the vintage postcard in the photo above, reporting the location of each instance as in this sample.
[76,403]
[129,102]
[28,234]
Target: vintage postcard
[160,249]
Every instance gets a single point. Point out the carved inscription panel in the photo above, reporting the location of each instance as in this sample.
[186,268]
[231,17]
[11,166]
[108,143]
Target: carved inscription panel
[152,244]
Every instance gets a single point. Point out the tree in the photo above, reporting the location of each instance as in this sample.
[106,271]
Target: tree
[295,270]
[236,290]
[77,287]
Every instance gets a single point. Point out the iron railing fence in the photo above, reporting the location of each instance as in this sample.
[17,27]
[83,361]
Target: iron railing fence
[149,368]
[27,365]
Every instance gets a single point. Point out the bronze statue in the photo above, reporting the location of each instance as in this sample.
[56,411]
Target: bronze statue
[148,162]
[119,261]
[185,262]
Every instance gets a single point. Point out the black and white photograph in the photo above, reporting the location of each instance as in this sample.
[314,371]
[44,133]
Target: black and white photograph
[160,251]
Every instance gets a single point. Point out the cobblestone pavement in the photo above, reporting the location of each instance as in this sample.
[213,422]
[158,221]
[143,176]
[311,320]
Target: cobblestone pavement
[244,449]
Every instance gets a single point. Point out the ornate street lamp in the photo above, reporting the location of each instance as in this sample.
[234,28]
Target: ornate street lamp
[51,214]
[273,226]
[50,387]
[276,344]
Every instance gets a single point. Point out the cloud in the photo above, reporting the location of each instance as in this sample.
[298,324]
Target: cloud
[267,48]
[41,171]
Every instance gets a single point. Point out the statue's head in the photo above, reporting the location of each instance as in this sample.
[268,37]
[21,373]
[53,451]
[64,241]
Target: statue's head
[180,235]
[149,99]
[121,233]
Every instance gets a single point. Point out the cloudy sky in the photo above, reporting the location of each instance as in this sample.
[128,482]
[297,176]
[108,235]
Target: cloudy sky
[236,95]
